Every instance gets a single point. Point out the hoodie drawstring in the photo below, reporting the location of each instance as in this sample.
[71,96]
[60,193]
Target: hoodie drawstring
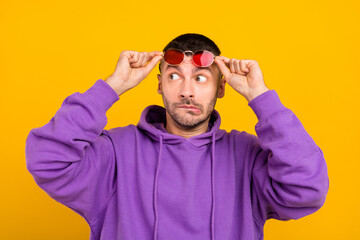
[213,188]
[155,188]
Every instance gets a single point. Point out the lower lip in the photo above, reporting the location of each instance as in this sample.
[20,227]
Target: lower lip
[192,109]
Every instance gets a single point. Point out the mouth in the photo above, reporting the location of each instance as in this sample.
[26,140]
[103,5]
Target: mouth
[190,108]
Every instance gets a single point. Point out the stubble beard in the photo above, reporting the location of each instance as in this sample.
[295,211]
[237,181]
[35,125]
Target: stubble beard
[193,122]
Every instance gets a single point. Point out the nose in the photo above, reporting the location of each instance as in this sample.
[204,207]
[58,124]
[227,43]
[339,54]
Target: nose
[186,89]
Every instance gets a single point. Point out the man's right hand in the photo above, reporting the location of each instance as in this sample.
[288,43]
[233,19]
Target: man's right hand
[131,69]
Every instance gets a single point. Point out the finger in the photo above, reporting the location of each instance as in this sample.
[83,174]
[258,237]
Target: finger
[146,59]
[139,61]
[155,53]
[223,68]
[238,68]
[142,57]
[133,56]
[225,60]
[150,55]
[152,64]
[243,66]
[232,67]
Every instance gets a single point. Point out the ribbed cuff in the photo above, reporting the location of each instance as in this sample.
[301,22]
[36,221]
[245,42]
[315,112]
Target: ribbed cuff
[266,104]
[101,95]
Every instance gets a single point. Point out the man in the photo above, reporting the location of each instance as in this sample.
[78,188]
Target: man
[176,175]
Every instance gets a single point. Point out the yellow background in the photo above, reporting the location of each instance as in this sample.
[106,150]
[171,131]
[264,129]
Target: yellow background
[308,52]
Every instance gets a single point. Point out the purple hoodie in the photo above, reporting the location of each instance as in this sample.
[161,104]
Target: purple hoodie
[141,182]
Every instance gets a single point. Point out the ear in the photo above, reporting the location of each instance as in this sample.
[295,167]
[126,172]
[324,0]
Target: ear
[221,91]
[159,90]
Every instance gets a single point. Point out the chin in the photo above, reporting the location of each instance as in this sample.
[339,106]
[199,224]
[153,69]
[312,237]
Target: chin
[189,122]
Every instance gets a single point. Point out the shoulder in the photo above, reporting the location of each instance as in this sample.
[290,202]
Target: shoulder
[236,135]
[121,132]
[240,139]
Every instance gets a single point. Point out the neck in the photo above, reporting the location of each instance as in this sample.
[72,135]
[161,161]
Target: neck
[174,128]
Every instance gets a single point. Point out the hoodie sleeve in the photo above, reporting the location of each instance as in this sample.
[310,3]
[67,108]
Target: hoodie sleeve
[289,172]
[71,157]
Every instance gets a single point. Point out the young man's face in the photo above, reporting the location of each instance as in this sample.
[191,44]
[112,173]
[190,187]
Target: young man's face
[189,92]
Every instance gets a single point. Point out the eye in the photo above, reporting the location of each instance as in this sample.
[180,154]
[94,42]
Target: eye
[174,76]
[201,78]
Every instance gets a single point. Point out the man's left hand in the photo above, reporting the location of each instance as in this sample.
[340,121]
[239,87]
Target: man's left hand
[244,76]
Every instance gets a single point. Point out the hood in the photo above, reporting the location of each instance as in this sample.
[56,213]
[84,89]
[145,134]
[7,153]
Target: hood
[153,120]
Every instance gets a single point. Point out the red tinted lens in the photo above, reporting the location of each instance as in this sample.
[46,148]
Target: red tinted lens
[173,56]
[203,58]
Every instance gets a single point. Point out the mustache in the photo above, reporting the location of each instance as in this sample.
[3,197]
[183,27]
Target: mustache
[188,101]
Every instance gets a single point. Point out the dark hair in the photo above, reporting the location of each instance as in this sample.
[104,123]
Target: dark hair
[192,42]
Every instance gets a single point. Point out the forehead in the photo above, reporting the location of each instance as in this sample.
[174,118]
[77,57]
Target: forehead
[182,67]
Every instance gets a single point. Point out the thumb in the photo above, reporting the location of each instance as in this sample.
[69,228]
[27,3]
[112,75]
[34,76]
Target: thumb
[222,66]
[150,65]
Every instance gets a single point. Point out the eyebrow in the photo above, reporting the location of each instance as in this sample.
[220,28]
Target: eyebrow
[194,71]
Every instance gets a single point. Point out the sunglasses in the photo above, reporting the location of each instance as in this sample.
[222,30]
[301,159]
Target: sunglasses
[201,58]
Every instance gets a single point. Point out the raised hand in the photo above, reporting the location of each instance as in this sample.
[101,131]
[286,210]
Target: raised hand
[131,69]
[244,76]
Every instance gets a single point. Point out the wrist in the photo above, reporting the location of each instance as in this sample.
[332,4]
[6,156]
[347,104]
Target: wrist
[256,93]
[116,85]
